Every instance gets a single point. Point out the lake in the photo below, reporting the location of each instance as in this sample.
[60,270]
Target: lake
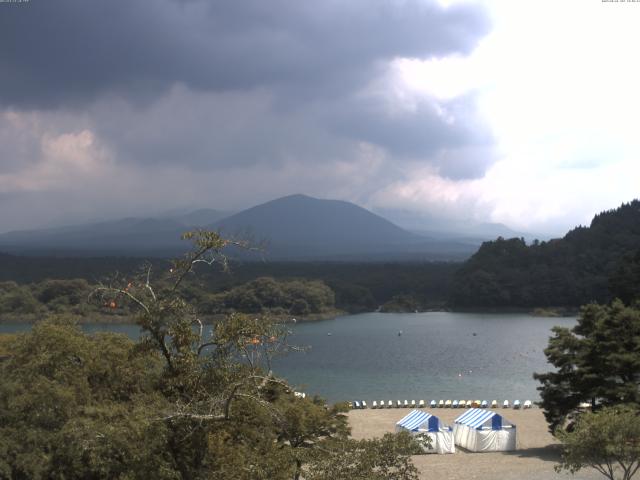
[436,357]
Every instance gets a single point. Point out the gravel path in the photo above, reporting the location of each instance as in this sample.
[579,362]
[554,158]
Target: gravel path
[536,455]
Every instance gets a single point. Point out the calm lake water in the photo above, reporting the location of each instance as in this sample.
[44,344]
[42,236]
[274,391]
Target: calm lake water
[436,357]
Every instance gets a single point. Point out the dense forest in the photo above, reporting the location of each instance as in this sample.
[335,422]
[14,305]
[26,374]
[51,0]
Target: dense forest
[304,298]
[589,264]
[304,290]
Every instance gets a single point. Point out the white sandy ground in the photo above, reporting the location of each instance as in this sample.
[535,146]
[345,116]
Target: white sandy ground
[537,450]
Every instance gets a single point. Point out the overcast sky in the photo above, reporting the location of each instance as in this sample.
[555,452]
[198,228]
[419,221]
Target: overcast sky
[523,112]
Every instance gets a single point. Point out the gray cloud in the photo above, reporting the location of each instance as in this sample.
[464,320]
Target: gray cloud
[69,51]
[274,95]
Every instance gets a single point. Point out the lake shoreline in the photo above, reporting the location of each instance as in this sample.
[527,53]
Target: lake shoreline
[397,356]
[99,318]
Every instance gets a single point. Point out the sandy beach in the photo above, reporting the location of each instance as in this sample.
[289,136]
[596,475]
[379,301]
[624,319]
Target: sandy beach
[537,451]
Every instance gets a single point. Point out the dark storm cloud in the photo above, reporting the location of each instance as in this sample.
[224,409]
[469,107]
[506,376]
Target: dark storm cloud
[197,97]
[68,51]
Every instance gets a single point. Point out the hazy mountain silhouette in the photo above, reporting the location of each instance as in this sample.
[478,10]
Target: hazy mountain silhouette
[299,226]
[200,218]
[292,227]
[128,236]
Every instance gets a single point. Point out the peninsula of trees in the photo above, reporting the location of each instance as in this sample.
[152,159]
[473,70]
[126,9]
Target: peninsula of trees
[589,264]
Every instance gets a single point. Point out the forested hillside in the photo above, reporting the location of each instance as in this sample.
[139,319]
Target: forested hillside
[591,263]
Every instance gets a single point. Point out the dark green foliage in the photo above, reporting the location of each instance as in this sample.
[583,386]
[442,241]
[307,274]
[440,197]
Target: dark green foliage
[625,282]
[608,441]
[571,271]
[77,406]
[401,303]
[598,361]
[299,297]
[18,300]
[287,290]
[386,458]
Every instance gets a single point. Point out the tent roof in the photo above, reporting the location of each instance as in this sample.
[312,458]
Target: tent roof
[479,417]
[417,418]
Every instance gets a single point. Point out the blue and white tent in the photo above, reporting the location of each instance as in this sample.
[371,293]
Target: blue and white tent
[480,430]
[422,423]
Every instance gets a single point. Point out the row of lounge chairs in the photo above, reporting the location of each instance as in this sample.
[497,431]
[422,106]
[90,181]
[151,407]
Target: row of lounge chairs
[440,404]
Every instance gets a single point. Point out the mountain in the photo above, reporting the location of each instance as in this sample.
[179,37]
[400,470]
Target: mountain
[583,266]
[445,228]
[199,218]
[296,227]
[127,236]
[302,227]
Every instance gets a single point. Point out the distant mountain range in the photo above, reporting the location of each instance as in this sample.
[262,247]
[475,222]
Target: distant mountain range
[446,228]
[295,227]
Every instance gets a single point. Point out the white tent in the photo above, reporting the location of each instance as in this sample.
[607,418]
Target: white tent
[480,430]
[422,423]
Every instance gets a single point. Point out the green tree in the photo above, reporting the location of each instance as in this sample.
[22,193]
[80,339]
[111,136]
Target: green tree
[77,406]
[597,361]
[386,458]
[187,401]
[229,415]
[608,441]
[625,282]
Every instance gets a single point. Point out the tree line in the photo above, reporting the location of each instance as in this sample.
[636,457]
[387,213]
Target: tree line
[293,290]
[589,264]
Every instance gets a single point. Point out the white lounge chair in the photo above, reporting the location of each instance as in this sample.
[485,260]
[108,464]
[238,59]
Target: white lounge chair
[462,404]
[440,403]
[390,404]
[374,404]
[484,404]
[433,404]
[505,404]
[527,404]
[516,404]
[447,404]
[406,404]
[421,404]
[469,403]
[356,404]
[413,404]
[494,404]
[398,404]
[454,404]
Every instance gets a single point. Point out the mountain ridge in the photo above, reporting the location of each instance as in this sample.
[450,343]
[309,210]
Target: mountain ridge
[297,227]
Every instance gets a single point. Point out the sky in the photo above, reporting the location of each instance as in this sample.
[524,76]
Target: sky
[520,112]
